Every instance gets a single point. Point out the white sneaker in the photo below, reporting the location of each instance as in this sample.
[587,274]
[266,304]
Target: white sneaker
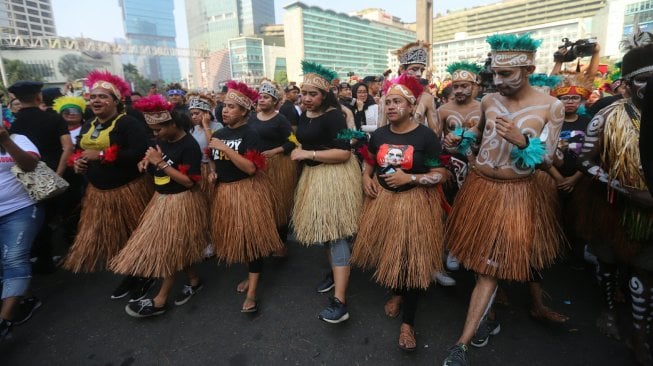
[452,263]
[443,279]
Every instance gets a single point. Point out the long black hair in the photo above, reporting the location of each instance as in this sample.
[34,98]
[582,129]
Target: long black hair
[329,101]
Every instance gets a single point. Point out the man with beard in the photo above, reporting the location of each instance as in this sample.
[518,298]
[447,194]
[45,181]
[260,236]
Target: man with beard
[622,218]
[412,60]
[521,235]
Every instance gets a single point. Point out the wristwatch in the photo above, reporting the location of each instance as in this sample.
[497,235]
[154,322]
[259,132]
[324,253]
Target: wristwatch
[413,178]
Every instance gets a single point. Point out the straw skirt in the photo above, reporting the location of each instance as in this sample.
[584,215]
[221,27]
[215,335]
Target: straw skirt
[283,175]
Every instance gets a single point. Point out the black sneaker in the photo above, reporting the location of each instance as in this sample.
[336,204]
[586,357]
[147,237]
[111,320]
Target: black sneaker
[26,309]
[5,329]
[335,313]
[140,288]
[457,356]
[484,331]
[187,292]
[326,284]
[144,308]
[123,289]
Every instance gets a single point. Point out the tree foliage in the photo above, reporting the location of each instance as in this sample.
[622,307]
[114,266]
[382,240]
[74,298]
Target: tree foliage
[74,67]
[137,81]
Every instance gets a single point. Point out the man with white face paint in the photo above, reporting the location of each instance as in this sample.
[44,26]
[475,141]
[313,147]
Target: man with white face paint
[623,221]
[412,61]
[521,234]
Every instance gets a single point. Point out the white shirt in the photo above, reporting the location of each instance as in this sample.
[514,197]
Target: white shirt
[198,133]
[13,195]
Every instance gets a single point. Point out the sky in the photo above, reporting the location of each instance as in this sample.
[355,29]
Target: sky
[102,19]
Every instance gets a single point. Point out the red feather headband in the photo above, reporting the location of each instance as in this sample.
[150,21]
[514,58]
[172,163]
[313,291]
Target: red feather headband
[107,80]
[155,108]
[405,85]
[241,94]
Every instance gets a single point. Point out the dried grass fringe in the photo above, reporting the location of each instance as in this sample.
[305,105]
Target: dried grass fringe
[328,202]
[283,175]
[243,226]
[206,186]
[170,237]
[401,236]
[504,229]
[108,218]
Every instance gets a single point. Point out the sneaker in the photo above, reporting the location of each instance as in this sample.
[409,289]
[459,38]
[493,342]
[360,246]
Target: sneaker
[26,309]
[5,329]
[327,284]
[457,356]
[443,279]
[144,308]
[140,288]
[187,292]
[484,331]
[123,289]
[452,263]
[335,313]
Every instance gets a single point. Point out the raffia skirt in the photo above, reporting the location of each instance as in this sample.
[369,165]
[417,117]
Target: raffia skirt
[170,236]
[206,186]
[243,226]
[328,202]
[283,175]
[107,220]
[504,228]
[401,236]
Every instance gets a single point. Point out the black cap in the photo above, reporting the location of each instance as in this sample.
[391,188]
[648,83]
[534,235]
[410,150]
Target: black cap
[371,79]
[50,94]
[23,87]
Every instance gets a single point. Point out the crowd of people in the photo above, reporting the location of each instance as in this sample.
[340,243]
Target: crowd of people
[160,183]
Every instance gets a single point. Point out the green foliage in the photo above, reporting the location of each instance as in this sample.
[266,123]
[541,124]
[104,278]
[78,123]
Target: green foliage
[137,81]
[74,67]
[281,77]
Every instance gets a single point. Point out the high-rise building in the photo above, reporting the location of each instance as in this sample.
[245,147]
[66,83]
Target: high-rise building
[211,24]
[339,41]
[28,18]
[152,23]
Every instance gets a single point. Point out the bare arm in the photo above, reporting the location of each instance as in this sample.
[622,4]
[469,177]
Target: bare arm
[330,156]
[554,125]
[67,150]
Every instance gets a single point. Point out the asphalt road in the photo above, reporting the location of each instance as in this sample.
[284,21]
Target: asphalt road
[79,325]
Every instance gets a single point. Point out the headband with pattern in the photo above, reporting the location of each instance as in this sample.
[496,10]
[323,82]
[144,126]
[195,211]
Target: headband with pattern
[269,89]
[199,103]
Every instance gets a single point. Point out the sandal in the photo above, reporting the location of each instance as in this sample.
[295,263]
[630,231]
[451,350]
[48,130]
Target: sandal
[545,314]
[407,340]
[250,309]
[243,286]
[393,306]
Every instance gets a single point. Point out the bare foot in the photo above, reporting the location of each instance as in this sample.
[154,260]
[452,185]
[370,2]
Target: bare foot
[242,286]
[407,340]
[546,314]
[392,306]
[249,306]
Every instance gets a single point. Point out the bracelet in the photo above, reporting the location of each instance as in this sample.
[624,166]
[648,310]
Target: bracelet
[313,154]
[528,141]
[166,165]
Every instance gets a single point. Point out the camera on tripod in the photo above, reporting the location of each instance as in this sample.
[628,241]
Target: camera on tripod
[570,51]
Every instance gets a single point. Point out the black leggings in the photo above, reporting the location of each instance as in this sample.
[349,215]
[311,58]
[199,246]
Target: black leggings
[409,306]
[283,232]
[255,266]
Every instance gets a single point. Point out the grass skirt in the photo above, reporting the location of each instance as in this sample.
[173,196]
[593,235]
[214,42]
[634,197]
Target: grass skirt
[243,226]
[401,236]
[518,232]
[107,220]
[328,202]
[206,186]
[283,175]
[170,236]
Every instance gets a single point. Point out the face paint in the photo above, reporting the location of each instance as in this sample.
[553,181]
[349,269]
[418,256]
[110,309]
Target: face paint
[462,91]
[508,80]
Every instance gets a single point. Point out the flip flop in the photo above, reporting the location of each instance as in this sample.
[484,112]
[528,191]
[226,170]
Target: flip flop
[242,286]
[251,309]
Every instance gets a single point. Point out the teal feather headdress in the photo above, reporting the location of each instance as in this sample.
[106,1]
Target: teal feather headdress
[512,42]
[543,80]
[463,65]
[314,68]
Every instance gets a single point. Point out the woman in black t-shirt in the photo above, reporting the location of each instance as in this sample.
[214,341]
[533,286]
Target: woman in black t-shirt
[242,216]
[110,146]
[401,228]
[328,198]
[164,243]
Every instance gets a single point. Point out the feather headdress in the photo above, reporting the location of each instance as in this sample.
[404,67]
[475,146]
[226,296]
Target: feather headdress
[510,50]
[156,109]
[106,80]
[639,58]
[406,86]
[66,102]
[574,84]
[241,94]
[464,71]
[317,75]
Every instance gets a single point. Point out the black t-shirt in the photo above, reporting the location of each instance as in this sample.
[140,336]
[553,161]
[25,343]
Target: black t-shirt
[241,139]
[130,136]
[273,132]
[415,152]
[44,129]
[184,155]
[573,135]
[321,133]
[290,112]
